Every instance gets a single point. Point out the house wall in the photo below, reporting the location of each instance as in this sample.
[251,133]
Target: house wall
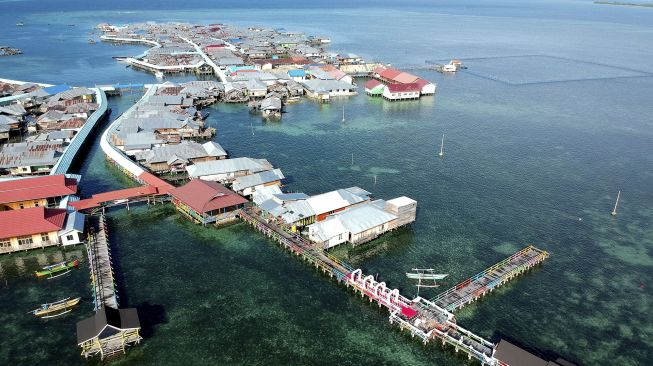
[75,238]
[12,244]
[399,96]
[368,235]
[24,204]
[428,89]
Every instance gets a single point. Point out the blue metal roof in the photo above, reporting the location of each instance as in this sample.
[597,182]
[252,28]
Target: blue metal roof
[56,89]
[296,73]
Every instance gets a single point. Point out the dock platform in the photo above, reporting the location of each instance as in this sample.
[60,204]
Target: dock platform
[425,319]
[99,260]
[480,284]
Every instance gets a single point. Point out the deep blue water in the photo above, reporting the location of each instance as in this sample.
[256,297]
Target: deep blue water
[551,119]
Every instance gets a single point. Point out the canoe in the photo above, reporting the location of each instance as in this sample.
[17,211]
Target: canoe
[56,308]
[57,268]
[426,276]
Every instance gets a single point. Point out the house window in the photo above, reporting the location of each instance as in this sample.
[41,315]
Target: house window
[5,243]
[21,206]
[340,237]
[25,240]
[70,237]
[36,204]
[45,237]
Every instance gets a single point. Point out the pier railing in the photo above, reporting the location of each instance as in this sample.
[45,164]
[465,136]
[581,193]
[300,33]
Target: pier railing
[478,285]
[99,262]
[421,317]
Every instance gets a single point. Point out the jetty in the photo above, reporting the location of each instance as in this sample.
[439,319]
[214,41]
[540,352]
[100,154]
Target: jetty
[111,330]
[484,282]
[99,263]
[422,318]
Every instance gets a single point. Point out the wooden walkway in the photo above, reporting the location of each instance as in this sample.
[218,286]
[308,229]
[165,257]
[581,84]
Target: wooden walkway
[99,260]
[422,318]
[477,286]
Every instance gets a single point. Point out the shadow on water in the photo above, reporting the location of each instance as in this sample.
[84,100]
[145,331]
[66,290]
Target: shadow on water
[546,355]
[150,315]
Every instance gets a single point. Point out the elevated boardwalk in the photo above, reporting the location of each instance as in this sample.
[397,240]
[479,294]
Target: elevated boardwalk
[66,160]
[422,318]
[99,261]
[476,286]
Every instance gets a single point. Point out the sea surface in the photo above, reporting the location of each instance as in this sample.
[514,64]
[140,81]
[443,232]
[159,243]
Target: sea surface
[552,118]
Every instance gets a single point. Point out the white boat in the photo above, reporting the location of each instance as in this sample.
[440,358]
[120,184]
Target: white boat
[159,75]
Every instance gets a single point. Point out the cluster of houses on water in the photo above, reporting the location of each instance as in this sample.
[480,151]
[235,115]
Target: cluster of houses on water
[261,63]
[34,213]
[37,123]
[166,125]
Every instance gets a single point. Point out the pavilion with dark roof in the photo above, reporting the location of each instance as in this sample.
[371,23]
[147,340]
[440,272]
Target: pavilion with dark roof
[108,332]
[206,202]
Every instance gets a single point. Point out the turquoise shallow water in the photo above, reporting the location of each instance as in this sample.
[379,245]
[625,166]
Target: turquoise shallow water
[551,120]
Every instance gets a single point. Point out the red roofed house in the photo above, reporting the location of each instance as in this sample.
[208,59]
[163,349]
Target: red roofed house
[374,88]
[38,227]
[427,87]
[405,78]
[44,191]
[402,91]
[205,202]
[389,74]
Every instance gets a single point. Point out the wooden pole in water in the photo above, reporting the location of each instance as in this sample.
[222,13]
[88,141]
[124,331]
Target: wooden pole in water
[352,159]
[614,210]
[441,154]
[343,113]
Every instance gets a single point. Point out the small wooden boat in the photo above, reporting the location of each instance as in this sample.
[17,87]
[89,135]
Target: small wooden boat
[20,24]
[91,41]
[58,269]
[428,275]
[57,308]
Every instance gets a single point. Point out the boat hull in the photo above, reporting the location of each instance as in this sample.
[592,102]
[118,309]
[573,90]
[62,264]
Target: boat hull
[57,268]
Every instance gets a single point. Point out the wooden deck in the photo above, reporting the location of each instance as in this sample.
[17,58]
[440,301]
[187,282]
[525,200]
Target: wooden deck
[99,260]
[476,286]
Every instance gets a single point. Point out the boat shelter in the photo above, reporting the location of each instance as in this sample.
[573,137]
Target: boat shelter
[109,332]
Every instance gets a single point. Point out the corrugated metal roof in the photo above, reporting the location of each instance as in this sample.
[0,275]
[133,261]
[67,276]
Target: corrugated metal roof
[228,166]
[203,196]
[334,200]
[253,180]
[31,221]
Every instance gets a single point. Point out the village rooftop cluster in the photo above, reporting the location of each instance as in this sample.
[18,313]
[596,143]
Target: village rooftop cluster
[254,62]
[38,122]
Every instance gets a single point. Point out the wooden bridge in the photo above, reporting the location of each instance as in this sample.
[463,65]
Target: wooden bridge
[422,318]
[99,263]
[484,282]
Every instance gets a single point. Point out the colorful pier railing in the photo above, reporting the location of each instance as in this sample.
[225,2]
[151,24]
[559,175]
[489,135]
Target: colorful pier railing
[476,286]
[421,317]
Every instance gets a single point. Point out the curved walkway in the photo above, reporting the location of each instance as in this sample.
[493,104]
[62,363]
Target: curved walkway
[66,160]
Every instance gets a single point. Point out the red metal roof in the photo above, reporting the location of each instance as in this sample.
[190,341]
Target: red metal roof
[405,78]
[31,221]
[152,180]
[373,83]
[97,199]
[203,196]
[408,312]
[36,188]
[402,88]
[389,74]
[422,83]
